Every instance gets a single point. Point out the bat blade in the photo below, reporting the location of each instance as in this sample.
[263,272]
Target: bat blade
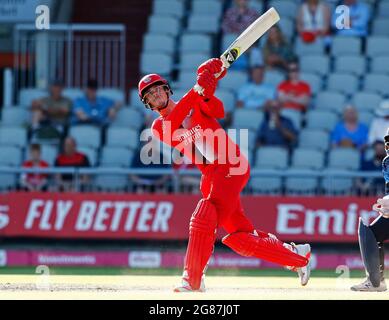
[247,38]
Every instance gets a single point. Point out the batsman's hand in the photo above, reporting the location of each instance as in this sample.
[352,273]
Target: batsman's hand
[214,66]
[207,81]
[382,206]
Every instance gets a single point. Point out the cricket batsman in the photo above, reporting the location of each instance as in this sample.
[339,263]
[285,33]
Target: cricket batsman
[187,126]
[371,237]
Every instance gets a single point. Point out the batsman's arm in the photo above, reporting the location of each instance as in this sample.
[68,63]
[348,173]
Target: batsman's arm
[213,107]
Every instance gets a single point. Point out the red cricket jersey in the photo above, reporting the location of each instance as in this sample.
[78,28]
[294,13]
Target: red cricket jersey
[192,129]
[297,89]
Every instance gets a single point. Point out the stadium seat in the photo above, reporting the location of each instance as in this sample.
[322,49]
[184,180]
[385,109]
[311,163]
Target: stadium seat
[14,116]
[315,81]
[204,7]
[377,46]
[122,137]
[227,98]
[86,135]
[10,156]
[302,48]
[134,100]
[350,64]
[307,159]
[314,139]
[91,153]
[318,64]
[158,43]
[343,82]
[7,181]
[344,158]
[26,96]
[203,23]
[246,141]
[287,27]
[377,83]
[111,182]
[178,94]
[128,117]
[247,119]
[49,153]
[285,8]
[156,63]
[227,39]
[114,94]
[331,101]
[301,181]
[173,8]
[186,79]
[345,45]
[234,81]
[380,65]
[191,61]
[72,93]
[266,184]
[366,117]
[256,5]
[321,119]
[381,27]
[271,158]
[164,25]
[334,184]
[196,43]
[273,77]
[293,115]
[366,101]
[13,136]
[383,9]
[116,157]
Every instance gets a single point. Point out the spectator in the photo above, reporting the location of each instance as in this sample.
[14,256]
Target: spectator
[277,53]
[255,94]
[373,186]
[380,124]
[150,150]
[34,181]
[93,109]
[276,130]
[70,157]
[294,93]
[350,132]
[357,24]
[313,20]
[50,115]
[238,17]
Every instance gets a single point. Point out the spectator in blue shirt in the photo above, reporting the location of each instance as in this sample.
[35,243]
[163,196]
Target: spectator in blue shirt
[358,22]
[350,132]
[93,109]
[256,94]
[276,130]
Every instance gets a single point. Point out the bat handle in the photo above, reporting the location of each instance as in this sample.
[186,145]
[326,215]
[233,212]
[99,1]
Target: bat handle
[197,88]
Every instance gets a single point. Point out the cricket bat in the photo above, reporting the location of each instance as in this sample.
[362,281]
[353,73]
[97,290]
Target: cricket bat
[246,39]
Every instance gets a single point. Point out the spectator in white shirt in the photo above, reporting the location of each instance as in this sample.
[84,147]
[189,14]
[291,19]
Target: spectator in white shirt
[380,124]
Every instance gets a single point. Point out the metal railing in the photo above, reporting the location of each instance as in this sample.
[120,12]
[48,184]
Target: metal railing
[121,179]
[71,52]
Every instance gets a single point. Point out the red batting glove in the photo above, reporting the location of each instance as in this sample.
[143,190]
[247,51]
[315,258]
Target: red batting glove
[214,66]
[207,81]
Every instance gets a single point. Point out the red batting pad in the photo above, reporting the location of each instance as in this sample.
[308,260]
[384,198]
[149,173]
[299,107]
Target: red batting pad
[201,241]
[266,248]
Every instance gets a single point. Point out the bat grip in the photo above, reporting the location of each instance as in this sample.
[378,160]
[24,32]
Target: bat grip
[197,88]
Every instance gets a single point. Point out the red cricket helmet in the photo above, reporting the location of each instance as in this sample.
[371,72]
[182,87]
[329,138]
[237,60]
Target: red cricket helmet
[149,80]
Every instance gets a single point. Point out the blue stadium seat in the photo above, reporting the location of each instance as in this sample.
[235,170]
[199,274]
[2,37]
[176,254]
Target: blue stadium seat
[344,158]
[302,48]
[86,135]
[158,43]
[266,184]
[234,81]
[72,93]
[91,153]
[319,64]
[191,61]
[343,82]
[247,119]
[321,119]
[381,26]
[13,136]
[345,45]
[314,139]
[164,25]
[334,184]
[383,9]
[203,23]
[307,159]
[285,8]
[315,81]
[116,157]
[204,7]
[128,117]
[156,63]
[49,153]
[26,96]
[377,46]
[293,115]
[354,64]
[114,94]
[301,182]
[366,101]
[330,101]
[195,43]
[380,65]
[377,83]
[227,98]
[111,182]
[173,8]
[271,158]
[122,137]
[10,156]
[273,77]
[366,117]
[14,116]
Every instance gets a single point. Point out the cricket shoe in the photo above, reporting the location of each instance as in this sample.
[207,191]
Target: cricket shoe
[303,272]
[367,286]
[185,287]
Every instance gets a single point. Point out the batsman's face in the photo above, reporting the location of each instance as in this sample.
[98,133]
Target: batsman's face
[156,96]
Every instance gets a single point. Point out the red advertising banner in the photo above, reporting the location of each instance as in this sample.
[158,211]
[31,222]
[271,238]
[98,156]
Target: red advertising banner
[128,216]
